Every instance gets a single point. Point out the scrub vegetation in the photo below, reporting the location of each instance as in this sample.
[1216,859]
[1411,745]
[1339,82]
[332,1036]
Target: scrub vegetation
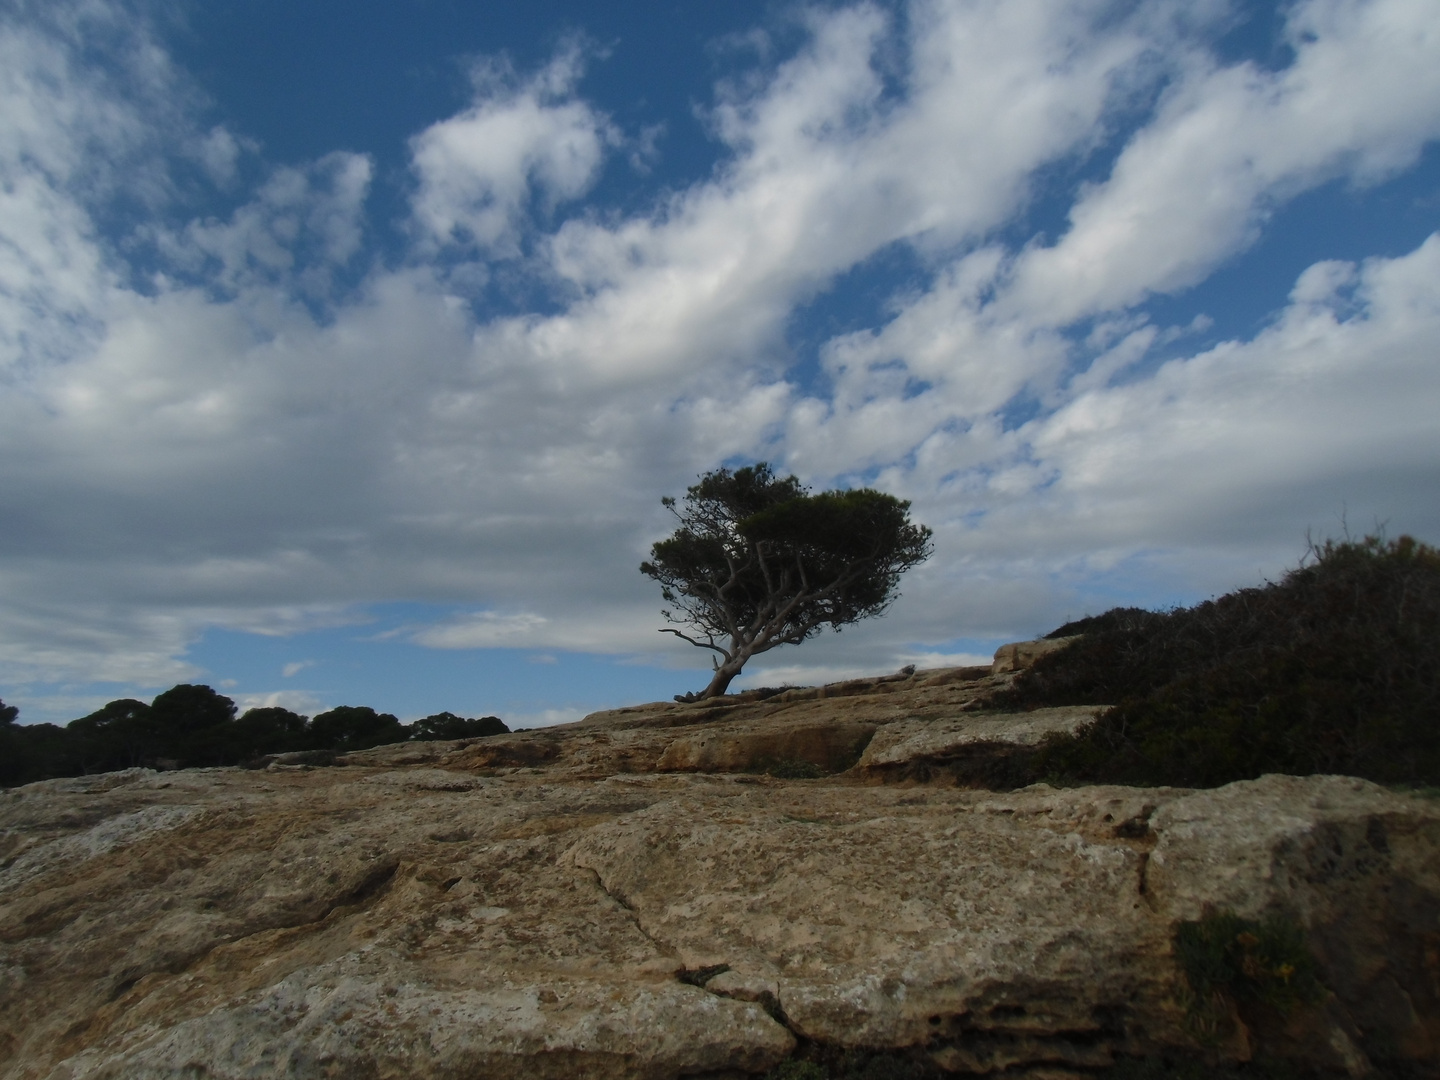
[1229,961]
[1330,670]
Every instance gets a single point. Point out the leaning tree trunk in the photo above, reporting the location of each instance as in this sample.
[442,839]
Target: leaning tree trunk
[723,674]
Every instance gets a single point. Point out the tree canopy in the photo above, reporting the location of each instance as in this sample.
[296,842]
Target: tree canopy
[758,561]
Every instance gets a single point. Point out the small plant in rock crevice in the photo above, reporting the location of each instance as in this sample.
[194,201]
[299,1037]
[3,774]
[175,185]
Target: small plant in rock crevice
[1228,960]
[797,1070]
[831,1063]
[789,769]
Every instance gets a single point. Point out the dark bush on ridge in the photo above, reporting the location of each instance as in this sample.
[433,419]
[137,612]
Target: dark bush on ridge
[1331,670]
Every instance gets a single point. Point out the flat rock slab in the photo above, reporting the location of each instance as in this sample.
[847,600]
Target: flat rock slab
[936,740]
[427,920]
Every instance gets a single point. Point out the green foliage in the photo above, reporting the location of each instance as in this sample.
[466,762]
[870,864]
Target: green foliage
[830,1063]
[267,730]
[797,1070]
[1246,961]
[447,725]
[1331,670]
[186,709]
[759,562]
[12,764]
[1193,1068]
[790,769]
[354,727]
[192,725]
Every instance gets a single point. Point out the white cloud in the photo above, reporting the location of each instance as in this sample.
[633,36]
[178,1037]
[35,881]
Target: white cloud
[297,701]
[1228,144]
[774,674]
[634,631]
[1343,385]
[479,171]
[827,172]
[543,718]
[302,225]
[926,660]
[242,443]
[290,670]
[219,154]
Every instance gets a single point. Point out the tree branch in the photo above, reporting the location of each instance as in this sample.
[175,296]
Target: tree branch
[692,641]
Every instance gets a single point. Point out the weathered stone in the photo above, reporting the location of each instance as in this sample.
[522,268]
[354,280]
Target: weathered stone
[741,747]
[584,917]
[1022,654]
[899,749]
[1360,870]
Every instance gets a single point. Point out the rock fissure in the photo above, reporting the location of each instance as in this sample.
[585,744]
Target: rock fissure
[621,901]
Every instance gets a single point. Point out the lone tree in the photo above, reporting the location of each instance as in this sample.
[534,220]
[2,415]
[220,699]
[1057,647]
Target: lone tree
[758,562]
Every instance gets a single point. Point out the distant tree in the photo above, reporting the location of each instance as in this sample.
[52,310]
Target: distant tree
[192,726]
[268,730]
[189,708]
[353,727]
[118,735]
[758,562]
[30,752]
[447,725]
[12,751]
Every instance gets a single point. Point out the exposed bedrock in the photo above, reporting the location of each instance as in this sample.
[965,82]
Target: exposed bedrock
[447,911]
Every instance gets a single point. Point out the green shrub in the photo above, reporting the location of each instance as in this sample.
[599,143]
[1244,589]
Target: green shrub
[790,769]
[1230,960]
[855,1064]
[797,1070]
[1190,1068]
[1331,670]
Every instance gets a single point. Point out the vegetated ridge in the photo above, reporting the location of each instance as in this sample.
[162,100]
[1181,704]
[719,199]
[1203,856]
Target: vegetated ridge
[1333,669]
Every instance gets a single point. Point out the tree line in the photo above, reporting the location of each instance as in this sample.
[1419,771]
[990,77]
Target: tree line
[193,726]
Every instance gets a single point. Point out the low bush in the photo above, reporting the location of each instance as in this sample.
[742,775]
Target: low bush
[789,769]
[1331,670]
[1228,960]
[832,1063]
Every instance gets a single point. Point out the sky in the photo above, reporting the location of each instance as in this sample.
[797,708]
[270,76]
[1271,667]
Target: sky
[348,349]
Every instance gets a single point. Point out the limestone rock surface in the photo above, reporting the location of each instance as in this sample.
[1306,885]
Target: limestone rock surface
[592,902]
[1022,654]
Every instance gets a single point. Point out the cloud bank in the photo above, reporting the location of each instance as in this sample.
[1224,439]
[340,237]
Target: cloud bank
[246,417]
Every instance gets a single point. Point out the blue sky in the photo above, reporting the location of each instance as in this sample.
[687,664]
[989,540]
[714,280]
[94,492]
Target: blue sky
[346,350]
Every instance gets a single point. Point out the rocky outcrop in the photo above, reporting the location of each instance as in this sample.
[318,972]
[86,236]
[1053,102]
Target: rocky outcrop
[1019,655]
[968,747]
[619,898]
